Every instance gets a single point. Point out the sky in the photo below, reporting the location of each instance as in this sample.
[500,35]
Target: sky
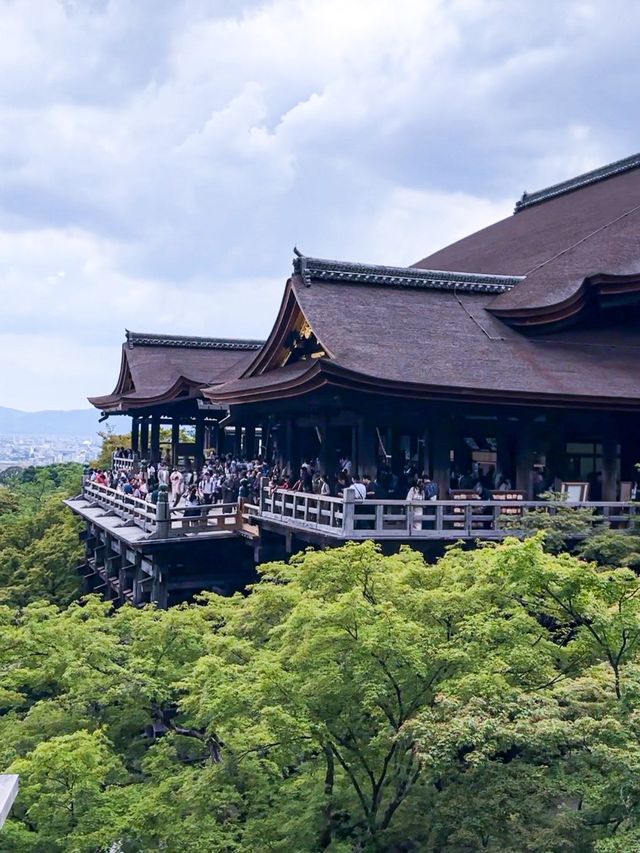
[159,159]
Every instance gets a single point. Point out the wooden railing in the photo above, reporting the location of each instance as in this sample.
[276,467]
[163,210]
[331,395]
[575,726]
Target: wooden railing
[347,518]
[132,509]
[124,463]
[303,510]
[163,520]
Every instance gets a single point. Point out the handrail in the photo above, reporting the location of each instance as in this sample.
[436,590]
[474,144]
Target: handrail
[391,518]
[162,520]
[125,463]
[348,518]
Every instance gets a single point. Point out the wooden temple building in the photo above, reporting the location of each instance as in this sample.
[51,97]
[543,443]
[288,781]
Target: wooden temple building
[517,347]
[160,383]
[513,351]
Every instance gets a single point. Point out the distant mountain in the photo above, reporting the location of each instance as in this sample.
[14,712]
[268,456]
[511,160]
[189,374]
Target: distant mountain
[81,423]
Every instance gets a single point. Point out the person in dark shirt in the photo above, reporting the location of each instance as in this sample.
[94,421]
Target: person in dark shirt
[375,490]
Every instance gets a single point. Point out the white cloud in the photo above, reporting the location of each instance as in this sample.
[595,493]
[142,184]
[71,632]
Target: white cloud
[166,156]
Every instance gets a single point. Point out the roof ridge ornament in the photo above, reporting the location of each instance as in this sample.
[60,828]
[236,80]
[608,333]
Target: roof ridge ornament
[320,269]
[150,339]
[300,266]
[578,182]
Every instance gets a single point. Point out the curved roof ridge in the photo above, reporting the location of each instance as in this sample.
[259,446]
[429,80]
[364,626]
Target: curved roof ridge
[322,269]
[578,182]
[189,341]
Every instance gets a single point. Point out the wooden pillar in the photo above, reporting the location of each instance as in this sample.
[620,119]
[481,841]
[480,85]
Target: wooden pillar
[397,457]
[609,468]
[524,458]
[423,453]
[237,442]
[556,453]
[440,434]
[250,442]
[223,440]
[287,450]
[175,441]
[135,435]
[199,446]
[629,455]
[325,455]
[144,437]
[366,462]
[215,438]
[159,591]
[155,438]
[504,454]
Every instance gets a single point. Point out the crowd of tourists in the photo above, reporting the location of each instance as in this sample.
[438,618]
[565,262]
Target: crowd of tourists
[227,479]
[222,479]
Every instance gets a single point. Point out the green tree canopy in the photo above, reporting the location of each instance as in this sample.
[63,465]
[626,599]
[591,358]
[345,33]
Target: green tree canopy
[351,702]
[39,546]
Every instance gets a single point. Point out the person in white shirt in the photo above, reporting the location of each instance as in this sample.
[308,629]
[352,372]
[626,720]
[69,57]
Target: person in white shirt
[177,485]
[206,488]
[359,488]
[416,493]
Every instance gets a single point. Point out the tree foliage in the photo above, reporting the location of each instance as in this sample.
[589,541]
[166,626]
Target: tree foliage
[351,702]
[39,546]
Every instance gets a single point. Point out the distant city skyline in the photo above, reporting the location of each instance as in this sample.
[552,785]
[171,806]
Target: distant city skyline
[160,158]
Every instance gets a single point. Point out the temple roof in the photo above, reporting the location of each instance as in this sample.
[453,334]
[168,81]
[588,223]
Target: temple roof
[460,323]
[157,368]
[558,239]
[437,344]
[540,308]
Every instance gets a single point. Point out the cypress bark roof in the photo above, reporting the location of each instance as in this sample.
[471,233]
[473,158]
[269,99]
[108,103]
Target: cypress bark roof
[452,325]
[158,368]
[568,234]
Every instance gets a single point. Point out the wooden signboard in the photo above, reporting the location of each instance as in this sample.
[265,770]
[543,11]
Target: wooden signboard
[511,495]
[464,495]
[578,492]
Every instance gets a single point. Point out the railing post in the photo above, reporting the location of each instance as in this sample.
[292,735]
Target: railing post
[348,510]
[468,524]
[163,514]
[409,514]
[264,485]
